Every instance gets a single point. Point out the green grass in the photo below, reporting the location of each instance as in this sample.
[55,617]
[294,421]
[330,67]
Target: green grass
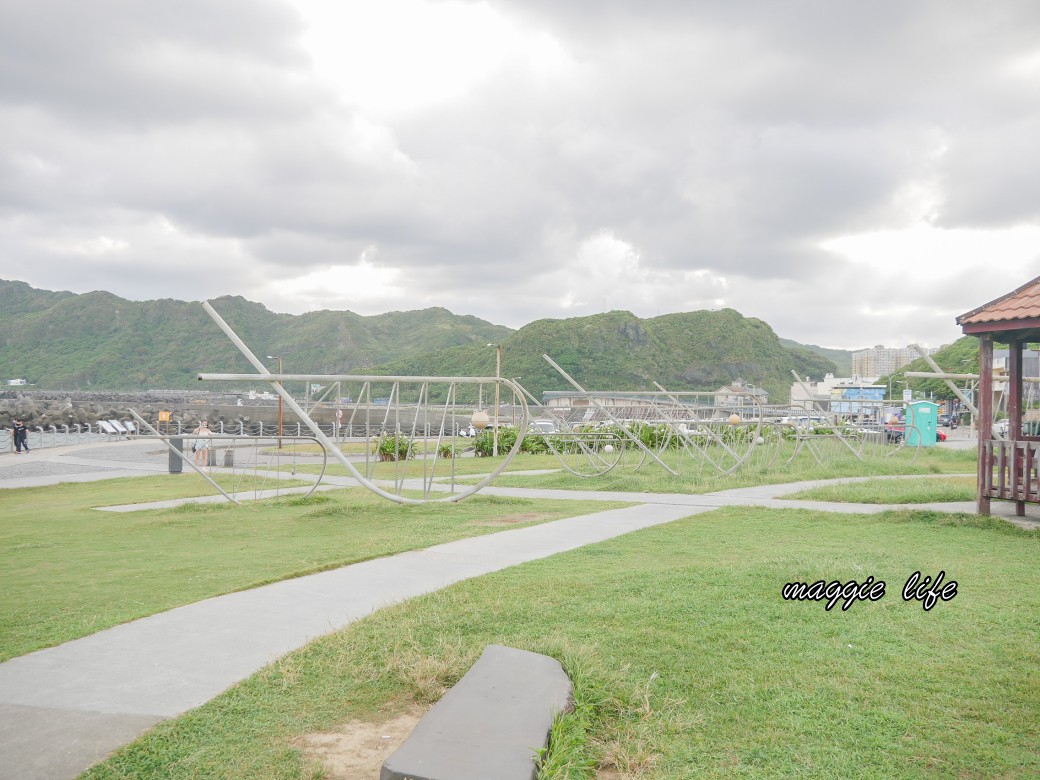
[638,474]
[895,491]
[413,468]
[69,570]
[687,661]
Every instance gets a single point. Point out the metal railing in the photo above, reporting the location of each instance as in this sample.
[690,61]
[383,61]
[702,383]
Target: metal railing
[45,436]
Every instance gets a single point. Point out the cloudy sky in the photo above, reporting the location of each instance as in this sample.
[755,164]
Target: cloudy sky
[853,173]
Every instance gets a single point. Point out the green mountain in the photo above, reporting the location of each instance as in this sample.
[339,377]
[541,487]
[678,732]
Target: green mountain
[98,340]
[841,358]
[701,350]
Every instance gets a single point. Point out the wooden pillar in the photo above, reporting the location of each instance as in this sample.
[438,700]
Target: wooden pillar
[985,432]
[1018,461]
[1014,389]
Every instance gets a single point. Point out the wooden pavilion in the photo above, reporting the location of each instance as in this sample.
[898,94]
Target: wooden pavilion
[1008,470]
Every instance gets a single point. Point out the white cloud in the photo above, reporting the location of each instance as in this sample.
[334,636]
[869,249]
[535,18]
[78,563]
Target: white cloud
[924,252]
[856,176]
[405,55]
[360,286]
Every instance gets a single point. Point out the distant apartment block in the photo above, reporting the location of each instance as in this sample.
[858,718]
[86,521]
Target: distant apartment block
[882,361]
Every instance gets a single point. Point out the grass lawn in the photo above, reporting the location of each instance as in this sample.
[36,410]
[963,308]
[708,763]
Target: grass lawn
[464,465]
[688,663]
[698,476]
[69,570]
[895,491]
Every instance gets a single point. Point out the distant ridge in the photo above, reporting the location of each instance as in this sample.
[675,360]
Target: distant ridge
[700,350]
[99,340]
[842,358]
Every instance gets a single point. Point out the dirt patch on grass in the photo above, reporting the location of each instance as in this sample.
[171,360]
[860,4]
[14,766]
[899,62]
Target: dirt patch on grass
[524,517]
[357,750]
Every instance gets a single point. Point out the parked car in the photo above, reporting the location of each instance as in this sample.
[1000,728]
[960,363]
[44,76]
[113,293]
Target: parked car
[894,433]
[1001,428]
[544,426]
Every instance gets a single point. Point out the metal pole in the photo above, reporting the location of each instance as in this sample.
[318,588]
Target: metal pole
[498,375]
[624,429]
[165,440]
[275,357]
[935,367]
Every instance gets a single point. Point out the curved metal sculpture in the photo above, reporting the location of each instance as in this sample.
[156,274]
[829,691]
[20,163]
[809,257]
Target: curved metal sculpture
[405,418]
[726,437]
[239,468]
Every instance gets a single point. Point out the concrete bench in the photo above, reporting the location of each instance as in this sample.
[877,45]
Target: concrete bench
[491,724]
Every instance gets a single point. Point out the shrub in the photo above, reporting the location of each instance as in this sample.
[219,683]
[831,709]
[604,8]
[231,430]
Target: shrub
[534,444]
[398,447]
[485,443]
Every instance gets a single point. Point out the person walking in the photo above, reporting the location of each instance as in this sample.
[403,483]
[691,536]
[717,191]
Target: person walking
[21,437]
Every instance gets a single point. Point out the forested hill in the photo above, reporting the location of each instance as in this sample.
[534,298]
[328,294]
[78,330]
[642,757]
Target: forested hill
[700,350]
[62,340]
[98,340]
[841,358]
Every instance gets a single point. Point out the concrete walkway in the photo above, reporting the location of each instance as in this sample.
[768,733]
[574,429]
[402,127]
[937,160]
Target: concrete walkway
[66,707]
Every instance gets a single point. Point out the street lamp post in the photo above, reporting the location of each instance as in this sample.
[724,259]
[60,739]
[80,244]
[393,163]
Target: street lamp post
[498,375]
[275,357]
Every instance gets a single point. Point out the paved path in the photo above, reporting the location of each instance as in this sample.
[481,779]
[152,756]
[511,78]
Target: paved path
[66,707]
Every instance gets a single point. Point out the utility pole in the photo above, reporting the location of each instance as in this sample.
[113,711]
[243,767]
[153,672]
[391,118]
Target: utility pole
[274,357]
[498,375]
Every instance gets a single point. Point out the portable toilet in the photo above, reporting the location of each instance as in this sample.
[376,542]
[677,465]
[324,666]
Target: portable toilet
[922,423]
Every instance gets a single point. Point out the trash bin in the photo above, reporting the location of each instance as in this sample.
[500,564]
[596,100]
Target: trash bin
[229,458]
[176,464]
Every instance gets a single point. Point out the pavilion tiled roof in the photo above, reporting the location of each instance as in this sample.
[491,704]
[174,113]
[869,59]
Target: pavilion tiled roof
[1016,306]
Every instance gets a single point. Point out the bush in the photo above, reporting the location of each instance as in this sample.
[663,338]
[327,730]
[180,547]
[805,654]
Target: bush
[485,443]
[653,437]
[534,444]
[398,447]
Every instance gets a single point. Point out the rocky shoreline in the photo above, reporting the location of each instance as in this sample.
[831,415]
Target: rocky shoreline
[44,409]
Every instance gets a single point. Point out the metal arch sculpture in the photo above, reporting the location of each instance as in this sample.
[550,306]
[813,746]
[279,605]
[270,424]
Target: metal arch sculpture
[704,433]
[583,453]
[725,436]
[237,472]
[428,485]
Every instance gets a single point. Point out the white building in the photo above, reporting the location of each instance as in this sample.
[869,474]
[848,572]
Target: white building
[741,394]
[837,394]
[882,361]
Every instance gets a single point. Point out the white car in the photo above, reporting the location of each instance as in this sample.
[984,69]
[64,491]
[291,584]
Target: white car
[543,426]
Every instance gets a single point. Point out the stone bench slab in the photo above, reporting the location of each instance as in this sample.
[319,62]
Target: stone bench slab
[491,724]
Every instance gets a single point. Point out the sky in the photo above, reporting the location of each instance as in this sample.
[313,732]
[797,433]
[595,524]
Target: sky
[851,173]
